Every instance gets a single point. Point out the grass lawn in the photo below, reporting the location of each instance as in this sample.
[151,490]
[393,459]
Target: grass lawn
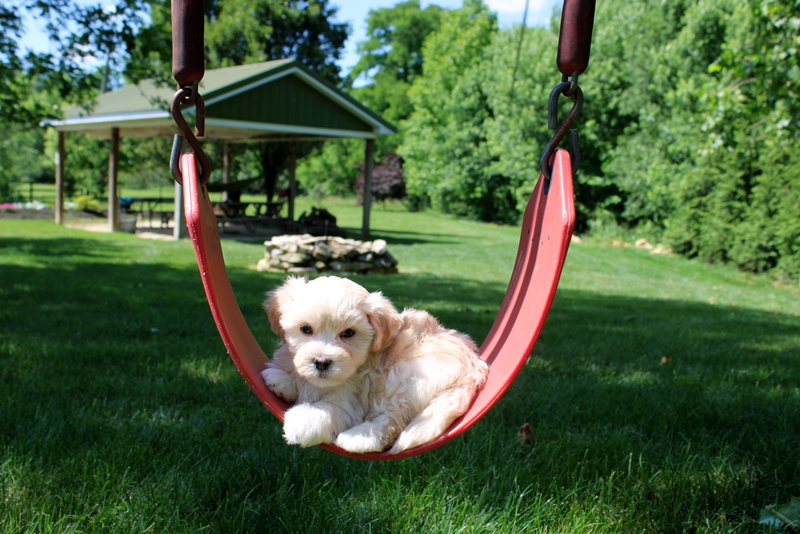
[664,395]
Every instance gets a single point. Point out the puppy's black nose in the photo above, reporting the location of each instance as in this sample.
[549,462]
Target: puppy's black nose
[322,363]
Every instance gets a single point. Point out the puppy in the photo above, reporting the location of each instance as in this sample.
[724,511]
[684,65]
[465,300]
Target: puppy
[360,374]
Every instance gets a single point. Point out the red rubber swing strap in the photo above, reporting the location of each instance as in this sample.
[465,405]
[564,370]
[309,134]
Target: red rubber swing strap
[547,227]
[546,231]
[545,236]
[242,347]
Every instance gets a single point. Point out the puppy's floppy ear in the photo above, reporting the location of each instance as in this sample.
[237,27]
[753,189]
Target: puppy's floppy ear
[384,319]
[279,297]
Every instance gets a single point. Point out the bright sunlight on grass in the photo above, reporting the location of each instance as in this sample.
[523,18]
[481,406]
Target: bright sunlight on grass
[663,395]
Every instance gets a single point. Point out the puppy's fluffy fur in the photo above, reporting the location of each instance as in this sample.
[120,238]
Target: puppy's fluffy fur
[360,374]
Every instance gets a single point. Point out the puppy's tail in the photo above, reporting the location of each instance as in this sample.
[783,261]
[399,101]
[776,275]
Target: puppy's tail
[436,417]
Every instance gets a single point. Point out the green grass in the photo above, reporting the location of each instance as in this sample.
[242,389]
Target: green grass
[120,411]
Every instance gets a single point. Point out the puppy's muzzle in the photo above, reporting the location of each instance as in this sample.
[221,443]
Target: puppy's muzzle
[322,363]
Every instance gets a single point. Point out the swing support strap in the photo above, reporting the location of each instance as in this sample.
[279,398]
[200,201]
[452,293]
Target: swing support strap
[188,68]
[574,46]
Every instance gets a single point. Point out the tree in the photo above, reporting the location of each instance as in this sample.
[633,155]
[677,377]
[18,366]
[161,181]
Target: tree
[251,31]
[387,179]
[239,32]
[470,147]
[744,186]
[395,38]
[390,58]
[699,133]
[331,169]
[37,86]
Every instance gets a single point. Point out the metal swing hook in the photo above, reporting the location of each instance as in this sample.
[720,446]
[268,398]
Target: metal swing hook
[570,89]
[185,96]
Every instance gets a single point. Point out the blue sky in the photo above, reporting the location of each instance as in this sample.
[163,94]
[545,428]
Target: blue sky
[354,12]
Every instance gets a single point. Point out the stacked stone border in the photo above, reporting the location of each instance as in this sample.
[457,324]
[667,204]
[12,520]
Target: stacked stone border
[307,254]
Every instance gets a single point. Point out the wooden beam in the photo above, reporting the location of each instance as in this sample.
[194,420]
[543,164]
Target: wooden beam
[61,156]
[369,156]
[113,170]
[292,166]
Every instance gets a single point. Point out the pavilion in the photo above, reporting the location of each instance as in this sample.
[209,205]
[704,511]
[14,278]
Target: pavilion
[280,101]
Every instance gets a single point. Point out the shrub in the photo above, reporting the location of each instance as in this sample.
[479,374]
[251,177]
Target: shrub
[743,209]
[87,203]
[387,179]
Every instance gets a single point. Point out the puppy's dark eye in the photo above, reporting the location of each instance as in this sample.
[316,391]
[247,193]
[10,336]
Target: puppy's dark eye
[348,333]
[306,330]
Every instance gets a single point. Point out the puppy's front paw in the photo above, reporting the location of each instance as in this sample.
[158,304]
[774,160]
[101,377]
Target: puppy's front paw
[307,425]
[280,383]
[365,437]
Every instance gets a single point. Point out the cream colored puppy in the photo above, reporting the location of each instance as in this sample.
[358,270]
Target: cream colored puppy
[360,374]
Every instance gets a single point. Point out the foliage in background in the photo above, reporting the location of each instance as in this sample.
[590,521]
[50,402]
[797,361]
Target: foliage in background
[76,31]
[746,184]
[22,155]
[387,179]
[250,31]
[444,147]
[240,32]
[480,121]
[86,166]
[330,170]
[144,162]
[35,86]
[689,130]
[390,59]
[709,153]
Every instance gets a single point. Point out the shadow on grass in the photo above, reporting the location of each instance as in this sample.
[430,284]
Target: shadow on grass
[60,248]
[399,237]
[115,387]
[666,367]
[392,237]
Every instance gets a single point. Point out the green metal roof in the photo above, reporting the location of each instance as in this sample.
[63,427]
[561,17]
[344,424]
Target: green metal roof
[271,100]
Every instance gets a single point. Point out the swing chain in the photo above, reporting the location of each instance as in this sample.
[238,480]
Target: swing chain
[567,88]
[186,96]
[573,84]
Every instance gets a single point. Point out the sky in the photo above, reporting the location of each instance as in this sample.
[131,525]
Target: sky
[354,12]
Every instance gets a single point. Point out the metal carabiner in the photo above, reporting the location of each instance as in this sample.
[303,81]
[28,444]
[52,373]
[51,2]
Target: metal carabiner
[564,128]
[186,96]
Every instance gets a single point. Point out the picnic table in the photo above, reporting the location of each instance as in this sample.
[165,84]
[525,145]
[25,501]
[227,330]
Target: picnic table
[229,212]
[148,205]
[236,210]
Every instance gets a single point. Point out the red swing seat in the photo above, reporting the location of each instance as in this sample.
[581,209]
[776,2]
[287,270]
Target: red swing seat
[547,228]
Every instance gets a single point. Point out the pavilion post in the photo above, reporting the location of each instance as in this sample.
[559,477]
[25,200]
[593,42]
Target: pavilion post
[113,170]
[369,156]
[61,156]
[226,167]
[292,167]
